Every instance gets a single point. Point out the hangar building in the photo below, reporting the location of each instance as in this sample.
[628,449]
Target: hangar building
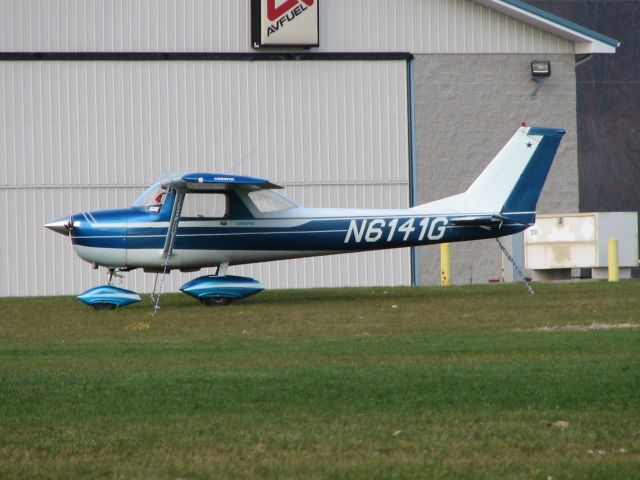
[363,103]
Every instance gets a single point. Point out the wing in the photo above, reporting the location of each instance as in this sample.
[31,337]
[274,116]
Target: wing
[216,182]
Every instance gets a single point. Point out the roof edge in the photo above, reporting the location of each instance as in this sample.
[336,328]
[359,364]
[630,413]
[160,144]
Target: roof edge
[587,40]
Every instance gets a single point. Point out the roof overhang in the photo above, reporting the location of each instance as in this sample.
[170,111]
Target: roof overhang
[586,41]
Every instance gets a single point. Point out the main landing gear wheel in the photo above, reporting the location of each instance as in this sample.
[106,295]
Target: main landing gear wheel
[104,306]
[215,301]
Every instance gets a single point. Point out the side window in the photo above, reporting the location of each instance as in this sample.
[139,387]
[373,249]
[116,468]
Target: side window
[204,205]
[268,201]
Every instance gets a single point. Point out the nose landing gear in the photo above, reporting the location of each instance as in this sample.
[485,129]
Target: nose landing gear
[108,297]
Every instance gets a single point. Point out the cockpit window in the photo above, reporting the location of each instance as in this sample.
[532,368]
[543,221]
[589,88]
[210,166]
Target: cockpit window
[152,199]
[268,201]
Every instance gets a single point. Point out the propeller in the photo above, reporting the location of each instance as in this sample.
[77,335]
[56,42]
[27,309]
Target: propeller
[61,225]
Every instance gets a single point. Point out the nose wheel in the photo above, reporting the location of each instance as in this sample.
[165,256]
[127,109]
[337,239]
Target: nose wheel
[104,306]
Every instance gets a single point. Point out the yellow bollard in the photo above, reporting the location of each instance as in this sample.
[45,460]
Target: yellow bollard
[445,264]
[612,250]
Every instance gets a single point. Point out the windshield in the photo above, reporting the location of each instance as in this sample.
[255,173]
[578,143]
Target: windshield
[153,198]
[268,201]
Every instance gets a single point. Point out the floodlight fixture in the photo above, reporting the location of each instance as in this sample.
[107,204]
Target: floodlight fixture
[540,69]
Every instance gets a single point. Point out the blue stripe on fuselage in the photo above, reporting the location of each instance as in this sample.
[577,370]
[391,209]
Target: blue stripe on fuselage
[343,234]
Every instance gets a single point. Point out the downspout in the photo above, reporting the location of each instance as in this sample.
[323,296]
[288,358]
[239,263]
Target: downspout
[415,278]
[583,59]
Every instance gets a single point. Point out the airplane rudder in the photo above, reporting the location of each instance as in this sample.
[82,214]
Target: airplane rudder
[526,192]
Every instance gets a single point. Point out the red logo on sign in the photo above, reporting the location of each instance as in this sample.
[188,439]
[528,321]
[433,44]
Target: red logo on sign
[273,12]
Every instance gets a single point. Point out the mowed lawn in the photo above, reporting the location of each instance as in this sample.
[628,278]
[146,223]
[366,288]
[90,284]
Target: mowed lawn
[465,382]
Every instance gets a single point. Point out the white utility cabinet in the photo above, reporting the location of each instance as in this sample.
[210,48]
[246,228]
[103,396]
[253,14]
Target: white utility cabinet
[557,243]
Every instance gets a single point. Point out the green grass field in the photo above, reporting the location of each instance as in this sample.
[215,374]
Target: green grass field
[464,382]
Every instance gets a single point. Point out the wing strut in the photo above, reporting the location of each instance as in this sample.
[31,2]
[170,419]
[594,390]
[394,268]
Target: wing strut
[170,240]
[169,243]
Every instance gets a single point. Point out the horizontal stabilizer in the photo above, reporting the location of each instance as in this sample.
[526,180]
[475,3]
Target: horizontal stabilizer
[485,221]
[477,220]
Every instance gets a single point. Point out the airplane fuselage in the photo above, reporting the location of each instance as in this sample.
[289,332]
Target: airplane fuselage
[133,238]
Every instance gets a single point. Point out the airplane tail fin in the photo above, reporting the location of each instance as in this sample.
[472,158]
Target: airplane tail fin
[511,184]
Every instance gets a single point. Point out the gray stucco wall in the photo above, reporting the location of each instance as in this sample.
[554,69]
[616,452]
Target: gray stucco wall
[466,108]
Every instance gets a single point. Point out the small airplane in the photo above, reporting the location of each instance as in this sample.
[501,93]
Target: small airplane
[189,221]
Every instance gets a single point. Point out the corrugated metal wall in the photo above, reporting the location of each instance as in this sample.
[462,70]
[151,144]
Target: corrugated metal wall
[417,26]
[90,135]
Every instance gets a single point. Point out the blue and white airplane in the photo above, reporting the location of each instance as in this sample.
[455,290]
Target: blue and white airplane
[190,221]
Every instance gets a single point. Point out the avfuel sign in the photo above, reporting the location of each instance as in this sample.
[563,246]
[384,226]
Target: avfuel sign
[284,23]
